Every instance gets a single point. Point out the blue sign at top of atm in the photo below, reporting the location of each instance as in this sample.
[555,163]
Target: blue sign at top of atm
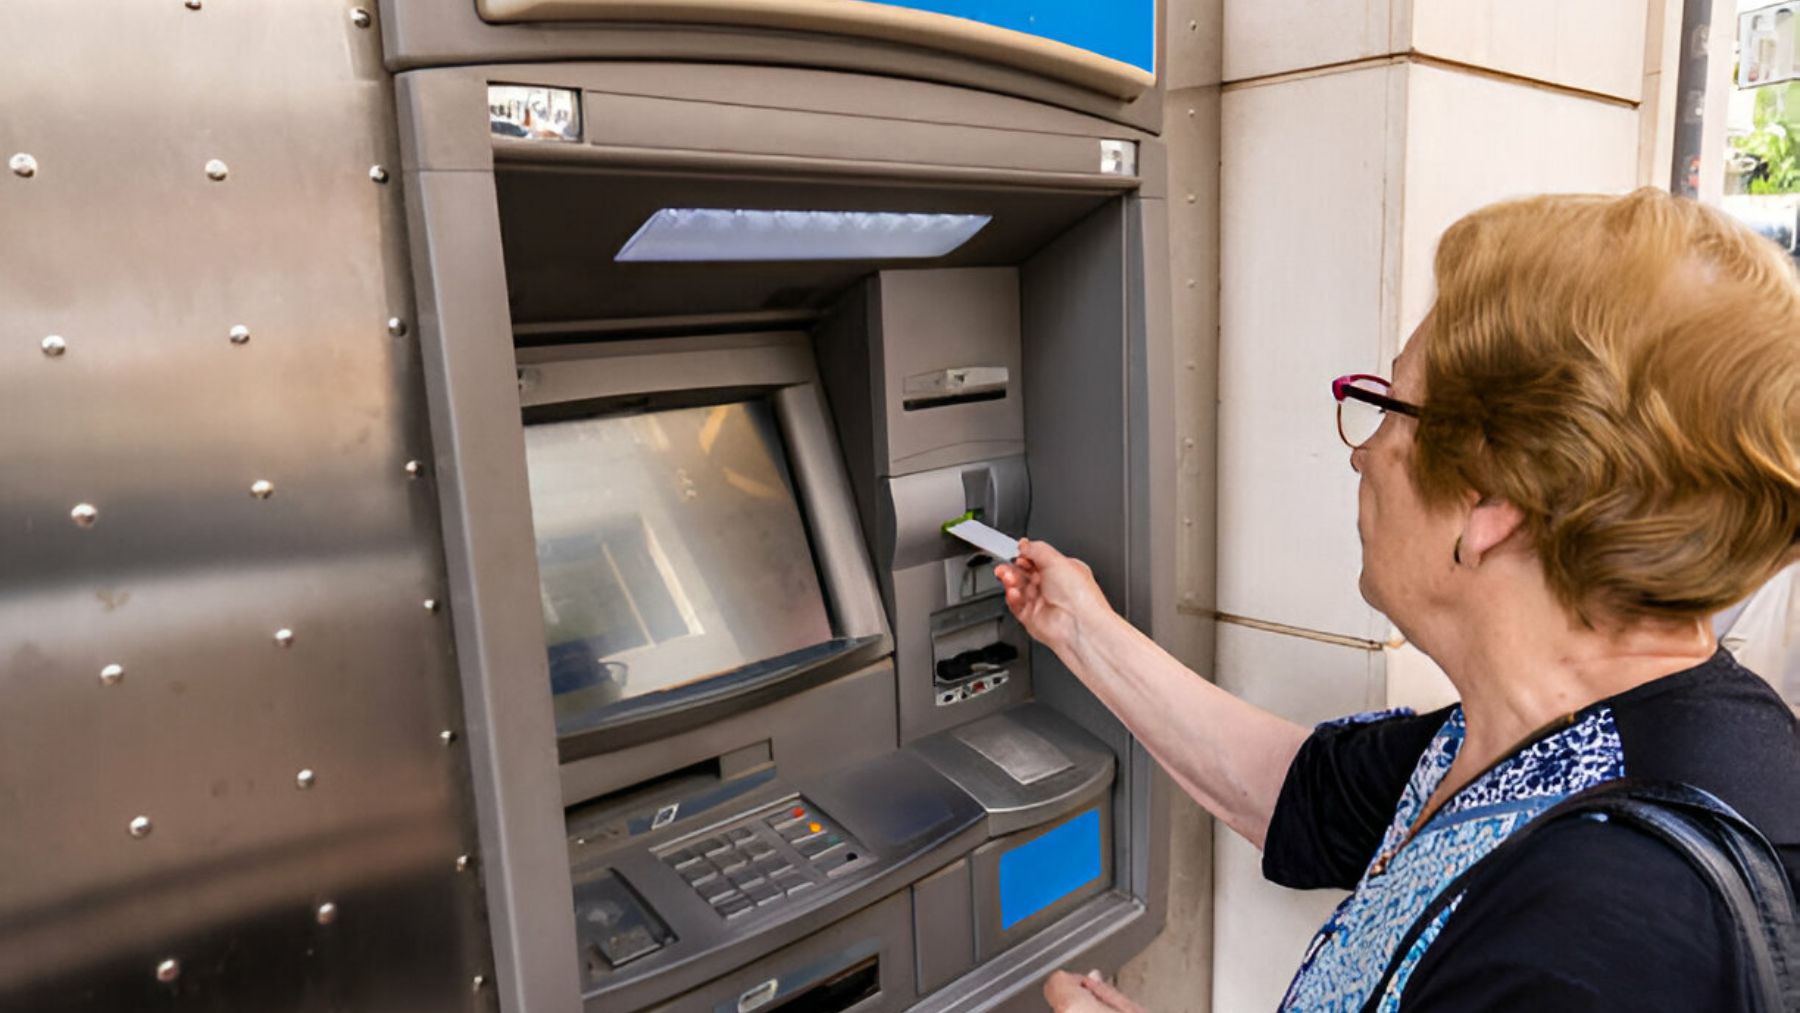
[1122,30]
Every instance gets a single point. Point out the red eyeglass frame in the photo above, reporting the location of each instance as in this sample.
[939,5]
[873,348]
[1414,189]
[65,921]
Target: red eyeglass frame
[1345,387]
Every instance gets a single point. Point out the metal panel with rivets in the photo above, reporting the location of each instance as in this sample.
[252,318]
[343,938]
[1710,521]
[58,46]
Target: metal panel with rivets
[231,768]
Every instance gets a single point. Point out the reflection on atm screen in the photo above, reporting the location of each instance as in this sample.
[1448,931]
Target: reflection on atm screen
[671,550]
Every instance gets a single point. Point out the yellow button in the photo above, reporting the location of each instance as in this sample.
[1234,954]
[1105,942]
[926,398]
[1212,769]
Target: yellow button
[815,827]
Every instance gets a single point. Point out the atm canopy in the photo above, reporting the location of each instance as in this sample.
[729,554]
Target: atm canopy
[563,228]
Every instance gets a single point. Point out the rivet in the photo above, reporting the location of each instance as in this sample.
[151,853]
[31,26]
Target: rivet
[478,983]
[305,779]
[111,675]
[1192,365]
[1191,198]
[327,913]
[446,736]
[215,169]
[239,334]
[1187,522]
[360,18]
[1193,26]
[431,604]
[414,469]
[170,969]
[397,327]
[378,174]
[462,863]
[1190,114]
[140,827]
[22,165]
[192,5]
[1190,283]
[54,346]
[1188,443]
[262,488]
[284,637]
[84,515]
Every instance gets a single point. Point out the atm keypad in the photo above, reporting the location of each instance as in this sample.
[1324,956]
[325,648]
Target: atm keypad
[764,859]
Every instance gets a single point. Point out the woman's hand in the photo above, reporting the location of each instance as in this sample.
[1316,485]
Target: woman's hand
[1073,993]
[1050,593]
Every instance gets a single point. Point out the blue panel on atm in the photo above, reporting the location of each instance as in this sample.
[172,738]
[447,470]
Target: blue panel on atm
[1122,30]
[1042,871]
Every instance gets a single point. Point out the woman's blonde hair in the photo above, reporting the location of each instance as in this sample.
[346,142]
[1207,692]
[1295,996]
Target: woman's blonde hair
[1625,370]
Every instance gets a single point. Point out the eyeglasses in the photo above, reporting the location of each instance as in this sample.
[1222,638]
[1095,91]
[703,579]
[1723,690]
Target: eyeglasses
[1362,402]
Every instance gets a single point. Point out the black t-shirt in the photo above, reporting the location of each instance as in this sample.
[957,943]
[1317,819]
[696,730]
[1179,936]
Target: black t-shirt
[1589,916]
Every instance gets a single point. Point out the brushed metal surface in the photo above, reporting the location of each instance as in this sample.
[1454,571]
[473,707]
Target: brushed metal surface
[202,234]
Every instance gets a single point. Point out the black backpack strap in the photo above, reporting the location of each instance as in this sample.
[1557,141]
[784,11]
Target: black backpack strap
[1730,854]
[1741,866]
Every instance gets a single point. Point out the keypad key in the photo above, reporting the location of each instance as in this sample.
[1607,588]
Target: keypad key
[758,851]
[835,863]
[734,906]
[816,847]
[740,836]
[713,846]
[731,862]
[774,865]
[698,874]
[744,877]
[715,889]
[798,884]
[764,893]
[684,858]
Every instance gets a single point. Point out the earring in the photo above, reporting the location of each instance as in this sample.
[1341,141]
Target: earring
[1456,552]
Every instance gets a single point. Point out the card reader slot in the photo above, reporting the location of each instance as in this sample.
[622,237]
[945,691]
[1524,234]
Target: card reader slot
[839,992]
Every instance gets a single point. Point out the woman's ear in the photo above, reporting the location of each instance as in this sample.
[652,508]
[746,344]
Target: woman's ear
[1491,520]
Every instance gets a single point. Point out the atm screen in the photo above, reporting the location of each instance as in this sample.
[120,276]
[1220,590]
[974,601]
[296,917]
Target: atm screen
[671,551]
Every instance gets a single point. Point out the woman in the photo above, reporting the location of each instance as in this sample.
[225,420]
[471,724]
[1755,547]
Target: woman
[1590,445]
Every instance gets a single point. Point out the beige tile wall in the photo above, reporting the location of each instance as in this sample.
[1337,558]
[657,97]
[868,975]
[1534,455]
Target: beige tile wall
[1265,37]
[1308,255]
[1592,45]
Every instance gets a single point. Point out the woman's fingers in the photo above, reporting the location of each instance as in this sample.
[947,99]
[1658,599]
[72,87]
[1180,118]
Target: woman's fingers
[1073,993]
[1065,994]
[1110,995]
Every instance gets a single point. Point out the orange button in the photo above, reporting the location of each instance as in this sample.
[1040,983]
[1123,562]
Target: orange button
[799,812]
[815,827]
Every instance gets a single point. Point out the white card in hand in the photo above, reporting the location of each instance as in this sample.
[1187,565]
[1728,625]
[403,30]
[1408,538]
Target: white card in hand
[986,539]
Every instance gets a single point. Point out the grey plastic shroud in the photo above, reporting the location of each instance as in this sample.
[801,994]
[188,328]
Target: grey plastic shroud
[1062,766]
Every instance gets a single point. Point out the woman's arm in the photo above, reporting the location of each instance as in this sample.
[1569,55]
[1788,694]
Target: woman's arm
[1229,755]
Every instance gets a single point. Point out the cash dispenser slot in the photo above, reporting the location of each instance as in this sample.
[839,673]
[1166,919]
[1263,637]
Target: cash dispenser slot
[840,991]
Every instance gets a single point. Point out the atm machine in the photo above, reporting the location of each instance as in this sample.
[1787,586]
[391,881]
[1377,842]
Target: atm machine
[726,309]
